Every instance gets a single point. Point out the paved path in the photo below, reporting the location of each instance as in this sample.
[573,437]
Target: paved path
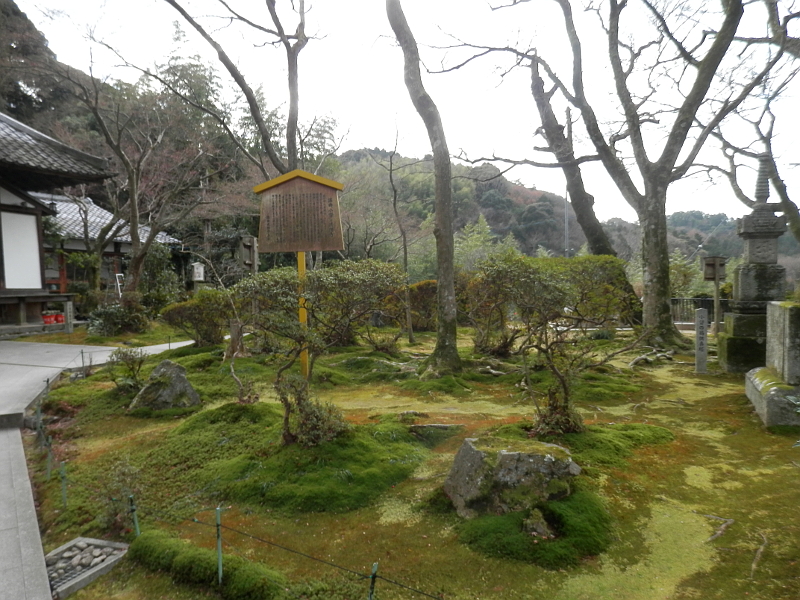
[24,371]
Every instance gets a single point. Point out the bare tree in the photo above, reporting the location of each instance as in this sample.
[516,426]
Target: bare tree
[761,153]
[669,67]
[293,44]
[445,358]
[164,156]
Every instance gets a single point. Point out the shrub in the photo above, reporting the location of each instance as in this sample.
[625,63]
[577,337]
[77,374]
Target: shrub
[343,296]
[543,309]
[159,284]
[203,317]
[131,361]
[113,319]
[422,297]
[307,421]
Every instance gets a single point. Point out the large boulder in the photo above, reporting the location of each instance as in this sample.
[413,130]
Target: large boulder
[495,476]
[167,387]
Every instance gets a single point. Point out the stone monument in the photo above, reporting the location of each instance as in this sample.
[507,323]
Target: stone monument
[774,390]
[742,345]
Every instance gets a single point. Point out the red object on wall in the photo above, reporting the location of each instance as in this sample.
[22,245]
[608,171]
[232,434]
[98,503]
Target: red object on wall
[49,319]
[59,317]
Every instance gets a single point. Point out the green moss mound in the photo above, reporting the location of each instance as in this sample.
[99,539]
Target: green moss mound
[241,579]
[599,445]
[598,385]
[235,450]
[610,445]
[344,474]
[581,523]
[232,414]
[444,385]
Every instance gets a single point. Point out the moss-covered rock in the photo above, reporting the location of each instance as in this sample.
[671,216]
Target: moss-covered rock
[496,475]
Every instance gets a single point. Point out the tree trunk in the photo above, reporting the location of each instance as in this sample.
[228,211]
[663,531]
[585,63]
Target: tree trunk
[445,357]
[657,316]
[561,147]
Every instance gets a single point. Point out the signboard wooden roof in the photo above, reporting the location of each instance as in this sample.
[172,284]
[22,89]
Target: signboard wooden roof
[299,213]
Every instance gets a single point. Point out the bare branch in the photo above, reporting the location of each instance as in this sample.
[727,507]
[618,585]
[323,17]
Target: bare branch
[255,109]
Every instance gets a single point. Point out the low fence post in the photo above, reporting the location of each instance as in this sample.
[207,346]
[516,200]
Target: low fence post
[219,545]
[372,579]
[134,516]
[63,474]
[49,463]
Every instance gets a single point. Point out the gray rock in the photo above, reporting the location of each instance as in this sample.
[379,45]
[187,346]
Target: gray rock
[496,476]
[536,525]
[167,387]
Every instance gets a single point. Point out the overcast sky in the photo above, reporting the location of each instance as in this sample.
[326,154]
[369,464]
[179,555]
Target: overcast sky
[352,71]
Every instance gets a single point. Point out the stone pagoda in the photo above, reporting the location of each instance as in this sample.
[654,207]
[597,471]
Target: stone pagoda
[757,281]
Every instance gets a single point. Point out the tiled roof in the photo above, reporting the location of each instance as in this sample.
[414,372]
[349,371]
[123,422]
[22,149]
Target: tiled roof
[33,161]
[71,214]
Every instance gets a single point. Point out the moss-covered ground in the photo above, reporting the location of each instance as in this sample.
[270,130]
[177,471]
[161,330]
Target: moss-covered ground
[666,495]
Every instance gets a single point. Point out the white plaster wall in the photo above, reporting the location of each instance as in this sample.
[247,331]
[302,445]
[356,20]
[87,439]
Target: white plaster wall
[21,259]
[7,197]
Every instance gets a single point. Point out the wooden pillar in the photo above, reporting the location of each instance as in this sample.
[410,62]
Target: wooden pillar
[302,313]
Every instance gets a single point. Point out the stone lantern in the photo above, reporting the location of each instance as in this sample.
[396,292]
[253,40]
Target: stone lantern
[757,281]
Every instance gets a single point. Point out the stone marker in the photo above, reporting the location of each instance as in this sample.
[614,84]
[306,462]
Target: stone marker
[774,390]
[700,340]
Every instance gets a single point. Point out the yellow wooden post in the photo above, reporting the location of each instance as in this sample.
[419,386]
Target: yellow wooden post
[301,274]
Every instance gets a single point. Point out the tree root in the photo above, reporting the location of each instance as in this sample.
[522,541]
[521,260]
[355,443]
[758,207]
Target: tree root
[757,557]
[651,357]
[722,528]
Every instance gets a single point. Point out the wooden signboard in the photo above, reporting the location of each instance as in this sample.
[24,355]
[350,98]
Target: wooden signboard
[714,268]
[299,213]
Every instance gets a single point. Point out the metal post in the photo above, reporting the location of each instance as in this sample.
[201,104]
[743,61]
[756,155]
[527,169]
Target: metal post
[303,314]
[135,517]
[39,430]
[83,363]
[219,545]
[63,474]
[372,579]
[49,456]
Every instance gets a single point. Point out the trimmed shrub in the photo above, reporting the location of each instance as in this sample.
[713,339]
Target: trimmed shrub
[344,295]
[156,550]
[113,319]
[241,579]
[422,296]
[203,317]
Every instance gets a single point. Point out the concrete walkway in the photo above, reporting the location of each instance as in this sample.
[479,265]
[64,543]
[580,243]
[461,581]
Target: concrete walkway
[24,371]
